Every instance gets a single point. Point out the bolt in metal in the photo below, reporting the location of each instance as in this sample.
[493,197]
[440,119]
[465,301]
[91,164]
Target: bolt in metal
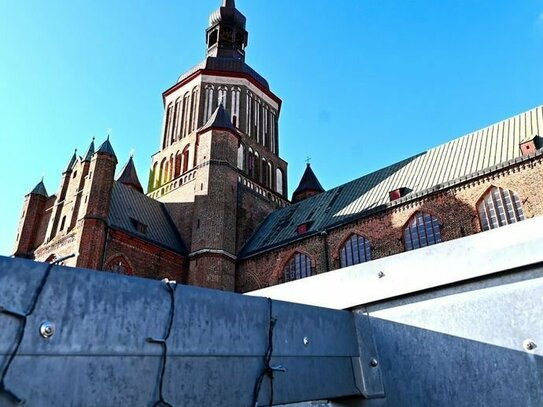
[306,340]
[47,329]
[380,274]
[374,362]
[529,344]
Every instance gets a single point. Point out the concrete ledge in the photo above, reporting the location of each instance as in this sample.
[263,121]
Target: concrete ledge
[449,262]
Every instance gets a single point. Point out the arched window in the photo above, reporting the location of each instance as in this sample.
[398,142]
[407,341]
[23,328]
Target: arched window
[251,163]
[185,118]
[194,109]
[355,250]
[175,135]
[62,223]
[156,176]
[257,167]
[236,93]
[499,207]
[186,159]
[163,171]
[241,156]
[119,265]
[167,127]
[208,106]
[298,267]
[421,231]
[279,181]
[178,157]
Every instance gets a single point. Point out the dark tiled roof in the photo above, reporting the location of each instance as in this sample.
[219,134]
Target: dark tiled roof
[218,120]
[106,148]
[226,65]
[72,162]
[309,182]
[40,190]
[130,208]
[461,159]
[90,152]
[129,176]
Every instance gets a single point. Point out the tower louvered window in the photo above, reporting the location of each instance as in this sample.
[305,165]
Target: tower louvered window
[500,207]
[298,267]
[421,231]
[355,250]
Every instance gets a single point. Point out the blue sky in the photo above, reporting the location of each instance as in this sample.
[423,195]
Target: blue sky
[363,83]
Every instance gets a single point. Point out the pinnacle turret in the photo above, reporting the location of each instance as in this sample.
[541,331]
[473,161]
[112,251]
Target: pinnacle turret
[90,151]
[129,176]
[39,189]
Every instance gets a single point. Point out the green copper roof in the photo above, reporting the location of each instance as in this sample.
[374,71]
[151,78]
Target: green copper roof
[460,160]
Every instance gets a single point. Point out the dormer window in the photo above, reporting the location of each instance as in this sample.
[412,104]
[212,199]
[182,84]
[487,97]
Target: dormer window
[398,193]
[303,228]
[140,227]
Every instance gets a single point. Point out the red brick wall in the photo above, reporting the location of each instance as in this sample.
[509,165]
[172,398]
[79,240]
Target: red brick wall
[455,209]
[33,209]
[145,259]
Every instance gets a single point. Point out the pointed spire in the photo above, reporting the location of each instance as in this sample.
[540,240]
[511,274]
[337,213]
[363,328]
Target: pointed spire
[219,120]
[90,151]
[39,189]
[229,3]
[72,162]
[309,186]
[129,176]
[106,148]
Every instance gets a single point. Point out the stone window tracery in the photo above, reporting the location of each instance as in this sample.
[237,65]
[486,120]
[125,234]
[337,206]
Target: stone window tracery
[499,207]
[421,231]
[298,267]
[354,251]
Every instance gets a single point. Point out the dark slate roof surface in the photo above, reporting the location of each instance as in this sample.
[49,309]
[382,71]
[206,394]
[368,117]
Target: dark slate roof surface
[129,176]
[128,205]
[469,156]
[219,120]
[106,148]
[90,152]
[40,189]
[72,162]
[309,182]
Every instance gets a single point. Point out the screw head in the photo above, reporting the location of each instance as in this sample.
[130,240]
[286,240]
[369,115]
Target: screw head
[529,345]
[47,329]
[374,362]
[380,274]
[306,340]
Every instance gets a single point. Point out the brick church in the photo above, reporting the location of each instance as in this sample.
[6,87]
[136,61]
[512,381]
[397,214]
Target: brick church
[217,211]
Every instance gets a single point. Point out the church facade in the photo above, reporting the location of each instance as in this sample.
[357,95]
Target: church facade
[217,212]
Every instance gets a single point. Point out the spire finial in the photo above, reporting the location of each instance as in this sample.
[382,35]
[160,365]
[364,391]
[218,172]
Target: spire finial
[229,3]
[131,153]
[308,160]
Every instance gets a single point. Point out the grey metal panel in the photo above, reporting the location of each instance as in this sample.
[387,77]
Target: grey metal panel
[100,353]
[464,345]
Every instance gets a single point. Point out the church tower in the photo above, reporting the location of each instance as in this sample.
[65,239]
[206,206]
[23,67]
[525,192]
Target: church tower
[218,168]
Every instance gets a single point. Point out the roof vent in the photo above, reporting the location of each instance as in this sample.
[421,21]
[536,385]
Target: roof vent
[398,193]
[529,145]
[303,228]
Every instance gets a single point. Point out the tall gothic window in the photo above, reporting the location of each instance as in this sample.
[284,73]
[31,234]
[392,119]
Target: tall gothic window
[175,120]
[185,120]
[499,207]
[236,92]
[167,125]
[194,110]
[355,250]
[298,267]
[421,231]
[279,181]
[208,107]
